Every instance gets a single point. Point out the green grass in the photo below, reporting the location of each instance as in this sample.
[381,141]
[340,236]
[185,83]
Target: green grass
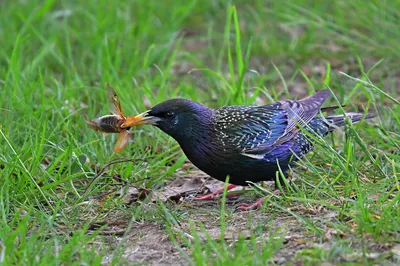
[56,56]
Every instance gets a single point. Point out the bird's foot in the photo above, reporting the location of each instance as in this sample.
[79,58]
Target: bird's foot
[254,206]
[217,193]
[257,204]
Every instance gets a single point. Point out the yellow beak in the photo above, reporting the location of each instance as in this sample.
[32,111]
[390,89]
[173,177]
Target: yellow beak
[139,120]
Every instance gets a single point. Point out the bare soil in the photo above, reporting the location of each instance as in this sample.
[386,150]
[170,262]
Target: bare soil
[148,243]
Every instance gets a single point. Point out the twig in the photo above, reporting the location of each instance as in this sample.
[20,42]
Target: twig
[115,161]
[101,195]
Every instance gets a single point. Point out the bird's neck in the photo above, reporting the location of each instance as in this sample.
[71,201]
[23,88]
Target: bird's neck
[200,153]
[198,143]
[196,139]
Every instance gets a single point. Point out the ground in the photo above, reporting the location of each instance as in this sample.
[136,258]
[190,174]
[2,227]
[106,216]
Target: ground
[340,204]
[166,242]
[150,243]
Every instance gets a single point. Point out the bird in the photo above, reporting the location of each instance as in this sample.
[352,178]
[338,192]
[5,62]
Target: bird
[246,143]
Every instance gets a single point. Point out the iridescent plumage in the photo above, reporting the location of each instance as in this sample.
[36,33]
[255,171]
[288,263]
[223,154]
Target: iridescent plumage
[246,142]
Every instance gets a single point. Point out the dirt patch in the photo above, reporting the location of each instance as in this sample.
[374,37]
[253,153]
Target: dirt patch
[148,243]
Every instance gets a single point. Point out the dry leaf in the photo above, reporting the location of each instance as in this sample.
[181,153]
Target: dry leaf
[330,233]
[179,188]
[135,194]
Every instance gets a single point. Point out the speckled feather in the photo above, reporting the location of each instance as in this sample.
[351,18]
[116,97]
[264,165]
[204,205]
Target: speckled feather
[248,142]
[258,130]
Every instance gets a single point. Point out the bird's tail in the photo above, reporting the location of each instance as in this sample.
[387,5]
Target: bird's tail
[338,120]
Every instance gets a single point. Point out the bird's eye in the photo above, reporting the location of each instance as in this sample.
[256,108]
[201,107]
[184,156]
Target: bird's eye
[169,115]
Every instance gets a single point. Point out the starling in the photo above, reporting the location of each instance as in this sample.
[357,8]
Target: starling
[246,143]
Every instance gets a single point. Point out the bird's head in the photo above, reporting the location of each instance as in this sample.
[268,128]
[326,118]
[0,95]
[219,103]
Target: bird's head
[179,118]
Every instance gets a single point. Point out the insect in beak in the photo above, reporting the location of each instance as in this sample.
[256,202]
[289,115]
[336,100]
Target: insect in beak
[113,123]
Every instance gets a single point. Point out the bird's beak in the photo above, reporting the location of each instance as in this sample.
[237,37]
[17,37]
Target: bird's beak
[139,120]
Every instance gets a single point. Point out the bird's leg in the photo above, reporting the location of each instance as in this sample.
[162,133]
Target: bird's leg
[257,204]
[217,193]
[254,206]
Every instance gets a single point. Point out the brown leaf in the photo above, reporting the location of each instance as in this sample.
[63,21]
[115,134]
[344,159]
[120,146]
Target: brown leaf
[213,187]
[331,233]
[179,188]
[135,194]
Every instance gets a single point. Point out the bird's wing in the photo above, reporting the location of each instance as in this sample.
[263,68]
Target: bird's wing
[250,127]
[300,113]
[259,130]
